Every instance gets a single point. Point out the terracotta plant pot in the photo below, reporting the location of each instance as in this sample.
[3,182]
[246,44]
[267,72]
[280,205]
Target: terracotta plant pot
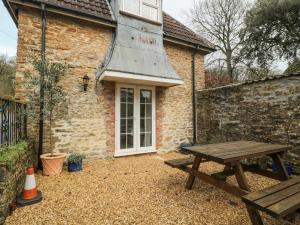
[52,165]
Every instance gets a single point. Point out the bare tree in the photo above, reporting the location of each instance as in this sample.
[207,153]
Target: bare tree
[7,75]
[221,22]
[7,65]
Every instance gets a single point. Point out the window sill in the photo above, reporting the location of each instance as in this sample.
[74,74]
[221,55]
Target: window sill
[140,18]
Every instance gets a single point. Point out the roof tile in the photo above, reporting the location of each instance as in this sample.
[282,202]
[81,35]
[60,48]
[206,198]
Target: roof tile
[97,8]
[100,8]
[175,29]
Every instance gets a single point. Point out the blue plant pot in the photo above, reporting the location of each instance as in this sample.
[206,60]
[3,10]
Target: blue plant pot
[74,167]
[183,151]
[288,167]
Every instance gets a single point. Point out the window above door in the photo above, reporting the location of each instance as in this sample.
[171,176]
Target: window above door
[147,9]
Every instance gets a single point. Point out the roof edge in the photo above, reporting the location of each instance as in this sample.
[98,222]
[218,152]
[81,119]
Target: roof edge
[185,43]
[249,82]
[64,11]
[10,11]
[96,19]
[111,10]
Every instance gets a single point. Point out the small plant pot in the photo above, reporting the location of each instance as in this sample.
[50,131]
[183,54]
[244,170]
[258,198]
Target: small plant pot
[288,167]
[52,165]
[182,150]
[74,167]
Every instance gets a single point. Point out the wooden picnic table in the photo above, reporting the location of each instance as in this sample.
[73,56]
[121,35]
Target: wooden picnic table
[231,155]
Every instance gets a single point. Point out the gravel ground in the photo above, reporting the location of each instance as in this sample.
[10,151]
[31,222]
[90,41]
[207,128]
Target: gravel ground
[136,190]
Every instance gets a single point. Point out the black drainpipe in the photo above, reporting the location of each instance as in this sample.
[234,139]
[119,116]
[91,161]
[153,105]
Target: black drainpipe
[41,121]
[194,102]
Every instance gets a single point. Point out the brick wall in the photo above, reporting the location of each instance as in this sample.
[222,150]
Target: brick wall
[89,125]
[266,111]
[109,98]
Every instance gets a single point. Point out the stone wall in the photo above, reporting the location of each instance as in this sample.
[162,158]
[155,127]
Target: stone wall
[12,183]
[83,46]
[174,104]
[88,127]
[267,111]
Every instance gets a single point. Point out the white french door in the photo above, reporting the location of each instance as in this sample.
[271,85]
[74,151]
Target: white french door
[135,119]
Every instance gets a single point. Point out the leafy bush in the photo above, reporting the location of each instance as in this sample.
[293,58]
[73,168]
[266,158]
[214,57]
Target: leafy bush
[48,75]
[75,158]
[10,153]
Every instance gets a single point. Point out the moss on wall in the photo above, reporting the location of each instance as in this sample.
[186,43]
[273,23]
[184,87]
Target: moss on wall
[14,160]
[11,153]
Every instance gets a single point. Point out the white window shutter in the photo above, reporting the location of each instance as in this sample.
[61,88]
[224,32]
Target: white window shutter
[132,6]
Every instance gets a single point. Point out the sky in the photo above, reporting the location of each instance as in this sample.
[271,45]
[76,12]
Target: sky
[8,33]
[8,30]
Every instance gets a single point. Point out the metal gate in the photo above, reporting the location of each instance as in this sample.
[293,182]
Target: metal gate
[13,122]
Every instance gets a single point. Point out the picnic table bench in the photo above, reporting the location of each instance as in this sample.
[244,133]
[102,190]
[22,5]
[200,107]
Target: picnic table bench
[279,201]
[231,155]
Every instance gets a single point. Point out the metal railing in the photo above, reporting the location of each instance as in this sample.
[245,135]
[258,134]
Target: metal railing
[13,122]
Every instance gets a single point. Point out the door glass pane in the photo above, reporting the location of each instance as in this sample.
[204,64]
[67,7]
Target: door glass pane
[148,110]
[146,96]
[146,140]
[123,126]
[142,125]
[126,120]
[130,95]
[142,110]
[146,118]
[123,110]
[130,126]
[123,95]
[148,125]
[129,140]
[123,141]
[130,110]
[142,140]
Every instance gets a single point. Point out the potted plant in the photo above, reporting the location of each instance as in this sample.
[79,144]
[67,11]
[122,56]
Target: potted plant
[46,77]
[182,146]
[75,162]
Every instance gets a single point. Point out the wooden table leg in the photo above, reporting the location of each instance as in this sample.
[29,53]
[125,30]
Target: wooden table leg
[227,167]
[242,181]
[240,176]
[281,170]
[191,179]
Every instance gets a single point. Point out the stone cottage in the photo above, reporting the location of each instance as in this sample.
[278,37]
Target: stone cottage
[144,67]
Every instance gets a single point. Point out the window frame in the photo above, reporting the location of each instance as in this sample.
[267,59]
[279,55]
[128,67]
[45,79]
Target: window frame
[140,15]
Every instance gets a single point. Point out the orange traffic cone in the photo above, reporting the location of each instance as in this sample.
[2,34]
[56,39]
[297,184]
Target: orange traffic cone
[30,194]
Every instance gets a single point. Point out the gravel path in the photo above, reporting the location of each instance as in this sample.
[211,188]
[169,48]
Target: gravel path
[135,190]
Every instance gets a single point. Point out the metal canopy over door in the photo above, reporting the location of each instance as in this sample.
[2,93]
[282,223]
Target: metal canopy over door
[135,119]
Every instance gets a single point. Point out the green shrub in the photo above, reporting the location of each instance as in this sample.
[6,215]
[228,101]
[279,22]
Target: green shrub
[10,153]
[75,158]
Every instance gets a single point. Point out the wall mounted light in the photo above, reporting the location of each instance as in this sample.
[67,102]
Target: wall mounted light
[85,82]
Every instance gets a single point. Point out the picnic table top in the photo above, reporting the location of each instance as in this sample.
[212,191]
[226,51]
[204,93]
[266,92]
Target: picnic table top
[235,151]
